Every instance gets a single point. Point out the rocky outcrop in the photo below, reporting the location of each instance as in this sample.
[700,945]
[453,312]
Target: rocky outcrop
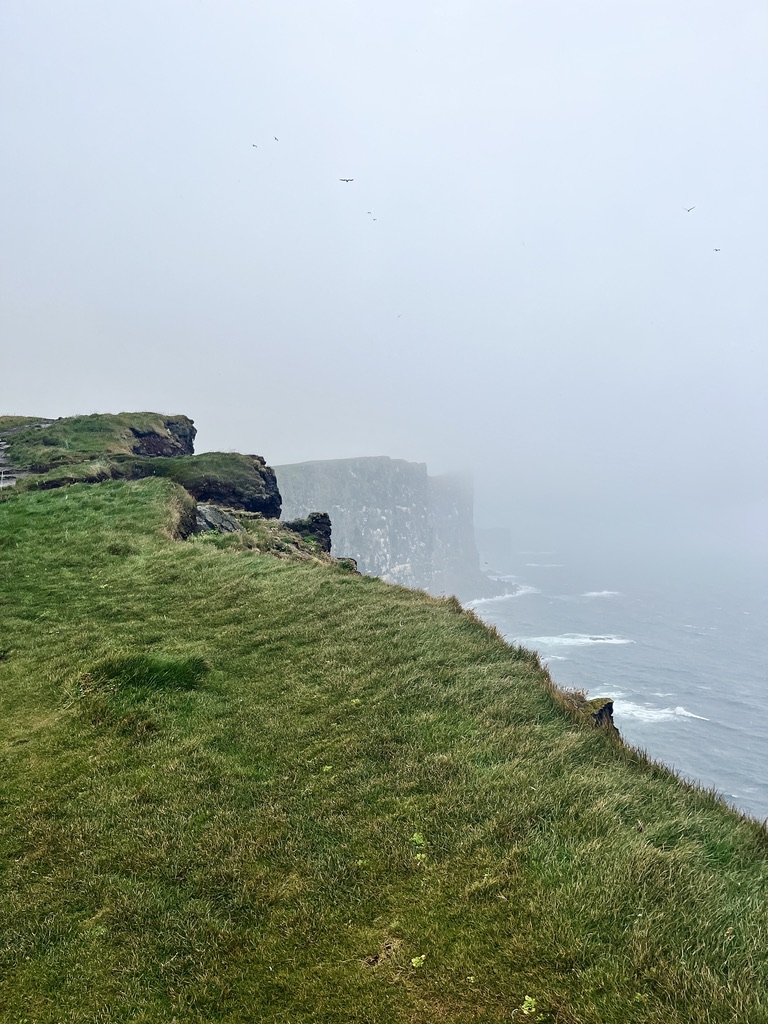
[175,437]
[217,478]
[316,527]
[38,446]
[601,712]
[394,519]
[220,478]
[209,517]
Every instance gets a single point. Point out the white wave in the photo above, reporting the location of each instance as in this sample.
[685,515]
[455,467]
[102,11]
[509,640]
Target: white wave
[545,565]
[602,593]
[646,713]
[553,657]
[521,591]
[570,640]
[689,714]
[641,712]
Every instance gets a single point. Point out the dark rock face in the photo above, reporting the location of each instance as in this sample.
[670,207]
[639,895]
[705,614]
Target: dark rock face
[177,439]
[317,527]
[217,478]
[184,430]
[394,519]
[227,478]
[208,517]
[601,713]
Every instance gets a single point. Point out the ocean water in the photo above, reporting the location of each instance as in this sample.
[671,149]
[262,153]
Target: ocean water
[681,648]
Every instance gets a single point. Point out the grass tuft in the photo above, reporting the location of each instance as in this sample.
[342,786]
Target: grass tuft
[147,673]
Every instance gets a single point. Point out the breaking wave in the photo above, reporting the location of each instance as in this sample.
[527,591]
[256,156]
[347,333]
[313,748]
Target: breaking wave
[645,713]
[519,592]
[571,640]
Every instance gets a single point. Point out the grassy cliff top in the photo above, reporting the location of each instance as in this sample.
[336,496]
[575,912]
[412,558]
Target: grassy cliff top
[42,445]
[244,788]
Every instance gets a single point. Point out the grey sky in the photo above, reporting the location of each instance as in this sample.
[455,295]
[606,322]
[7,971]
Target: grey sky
[532,301]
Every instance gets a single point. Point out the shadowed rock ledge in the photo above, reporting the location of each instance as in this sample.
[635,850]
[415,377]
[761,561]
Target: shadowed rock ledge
[316,527]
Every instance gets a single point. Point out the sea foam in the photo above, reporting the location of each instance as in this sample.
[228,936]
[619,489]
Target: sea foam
[646,713]
[570,640]
[521,591]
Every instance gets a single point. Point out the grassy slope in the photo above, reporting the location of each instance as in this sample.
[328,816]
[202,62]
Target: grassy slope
[76,439]
[237,789]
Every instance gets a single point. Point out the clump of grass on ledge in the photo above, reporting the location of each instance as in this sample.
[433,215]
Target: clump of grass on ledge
[270,537]
[238,787]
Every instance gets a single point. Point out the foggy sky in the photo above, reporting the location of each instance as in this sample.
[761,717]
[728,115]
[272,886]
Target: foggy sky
[532,302]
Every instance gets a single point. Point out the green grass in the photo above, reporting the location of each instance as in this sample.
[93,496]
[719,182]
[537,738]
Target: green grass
[76,439]
[226,478]
[13,422]
[242,788]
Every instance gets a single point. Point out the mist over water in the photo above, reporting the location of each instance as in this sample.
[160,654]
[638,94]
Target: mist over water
[678,643]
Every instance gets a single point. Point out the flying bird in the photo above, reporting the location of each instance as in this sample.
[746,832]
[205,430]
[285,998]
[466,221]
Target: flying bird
[715,250]
[689,208]
[275,138]
[346,179]
[254,146]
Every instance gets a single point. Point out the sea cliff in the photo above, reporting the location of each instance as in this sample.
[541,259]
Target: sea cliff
[394,519]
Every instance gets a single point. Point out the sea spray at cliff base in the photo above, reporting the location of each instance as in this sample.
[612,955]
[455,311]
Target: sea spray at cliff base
[679,647]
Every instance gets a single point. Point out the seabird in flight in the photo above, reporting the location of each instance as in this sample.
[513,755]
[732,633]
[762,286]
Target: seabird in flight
[346,179]
[715,250]
[689,208]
